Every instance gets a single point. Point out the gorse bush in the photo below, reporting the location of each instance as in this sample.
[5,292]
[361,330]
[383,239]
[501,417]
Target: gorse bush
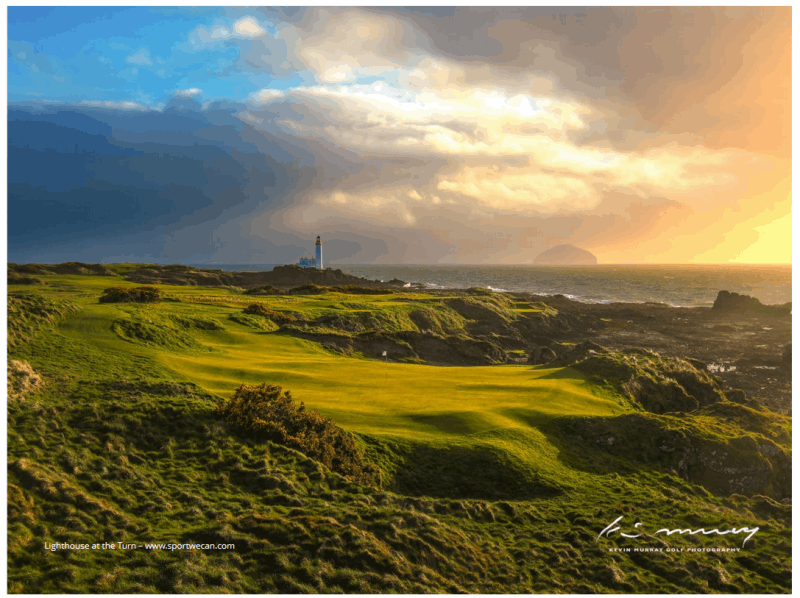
[131,295]
[267,411]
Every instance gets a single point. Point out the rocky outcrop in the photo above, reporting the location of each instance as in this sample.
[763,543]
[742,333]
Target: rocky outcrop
[735,303]
[541,355]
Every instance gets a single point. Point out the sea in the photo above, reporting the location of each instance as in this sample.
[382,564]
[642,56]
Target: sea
[676,285]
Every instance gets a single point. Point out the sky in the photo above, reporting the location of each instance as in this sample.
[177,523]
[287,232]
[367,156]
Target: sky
[429,135]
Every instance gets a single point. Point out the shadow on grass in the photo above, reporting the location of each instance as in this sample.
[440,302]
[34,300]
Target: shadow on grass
[450,423]
[454,471]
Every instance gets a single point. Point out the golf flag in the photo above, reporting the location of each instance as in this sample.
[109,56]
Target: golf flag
[384,354]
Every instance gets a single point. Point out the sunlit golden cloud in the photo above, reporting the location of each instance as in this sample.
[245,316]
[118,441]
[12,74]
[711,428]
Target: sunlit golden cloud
[644,135]
[557,136]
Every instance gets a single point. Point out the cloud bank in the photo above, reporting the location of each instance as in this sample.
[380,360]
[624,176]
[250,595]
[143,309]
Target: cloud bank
[455,135]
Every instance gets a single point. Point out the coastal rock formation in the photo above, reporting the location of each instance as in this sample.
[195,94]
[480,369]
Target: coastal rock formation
[564,255]
[729,302]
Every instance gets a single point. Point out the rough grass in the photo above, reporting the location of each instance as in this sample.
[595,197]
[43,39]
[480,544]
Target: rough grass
[22,380]
[486,487]
[30,313]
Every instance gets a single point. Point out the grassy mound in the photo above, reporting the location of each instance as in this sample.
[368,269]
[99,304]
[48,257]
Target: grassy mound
[30,313]
[197,322]
[267,412]
[251,321]
[657,383]
[69,268]
[279,317]
[461,470]
[131,295]
[725,459]
[488,309]
[155,330]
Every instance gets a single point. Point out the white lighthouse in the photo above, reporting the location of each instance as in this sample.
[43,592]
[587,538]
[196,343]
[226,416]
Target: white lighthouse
[319,254]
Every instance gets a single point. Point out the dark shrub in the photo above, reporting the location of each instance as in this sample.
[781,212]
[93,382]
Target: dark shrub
[265,290]
[131,295]
[17,279]
[357,290]
[309,289]
[266,411]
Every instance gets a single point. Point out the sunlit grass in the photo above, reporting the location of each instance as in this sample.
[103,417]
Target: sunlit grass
[484,491]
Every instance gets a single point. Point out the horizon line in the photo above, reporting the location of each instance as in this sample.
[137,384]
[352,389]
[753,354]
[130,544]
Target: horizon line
[415,263]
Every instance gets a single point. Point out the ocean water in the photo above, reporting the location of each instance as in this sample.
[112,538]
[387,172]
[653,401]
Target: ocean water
[678,285]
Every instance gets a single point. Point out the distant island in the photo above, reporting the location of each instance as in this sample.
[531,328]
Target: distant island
[562,255]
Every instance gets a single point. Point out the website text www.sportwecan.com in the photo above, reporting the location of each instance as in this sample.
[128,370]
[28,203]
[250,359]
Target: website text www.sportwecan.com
[54,546]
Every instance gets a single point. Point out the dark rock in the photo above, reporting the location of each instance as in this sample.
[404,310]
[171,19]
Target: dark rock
[728,302]
[737,395]
[540,355]
[700,365]
[580,352]
[661,396]
[700,387]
